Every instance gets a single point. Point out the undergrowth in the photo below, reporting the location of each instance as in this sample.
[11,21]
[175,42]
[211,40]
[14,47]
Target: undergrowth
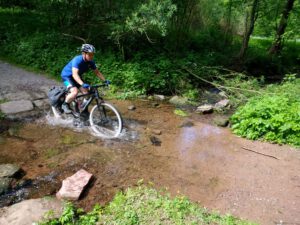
[273,116]
[144,205]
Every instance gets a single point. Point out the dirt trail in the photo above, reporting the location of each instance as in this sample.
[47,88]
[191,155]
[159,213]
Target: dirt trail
[208,164]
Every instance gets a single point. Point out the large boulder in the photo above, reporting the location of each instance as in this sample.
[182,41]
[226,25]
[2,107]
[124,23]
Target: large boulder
[30,211]
[177,100]
[206,108]
[221,104]
[8,170]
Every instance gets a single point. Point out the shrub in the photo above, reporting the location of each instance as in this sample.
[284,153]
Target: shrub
[143,205]
[272,117]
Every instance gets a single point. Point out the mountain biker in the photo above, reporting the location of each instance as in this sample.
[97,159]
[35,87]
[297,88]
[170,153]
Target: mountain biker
[73,71]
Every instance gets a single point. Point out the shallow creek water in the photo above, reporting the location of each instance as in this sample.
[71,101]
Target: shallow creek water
[206,163]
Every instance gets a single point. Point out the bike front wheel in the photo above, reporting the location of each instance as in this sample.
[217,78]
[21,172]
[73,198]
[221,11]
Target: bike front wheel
[105,120]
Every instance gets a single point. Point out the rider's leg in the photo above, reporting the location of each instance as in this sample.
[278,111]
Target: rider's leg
[73,91]
[84,91]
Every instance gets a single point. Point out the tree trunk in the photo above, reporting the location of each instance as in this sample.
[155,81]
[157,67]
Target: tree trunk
[249,27]
[277,44]
[228,26]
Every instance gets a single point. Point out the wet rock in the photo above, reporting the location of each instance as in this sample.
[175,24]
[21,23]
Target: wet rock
[23,183]
[13,130]
[206,108]
[5,184]
[73,186]
[221,104]
[186,124]
[154,104]
[38,96]
[159,97]
[9,170]
[15,107]
[131,107]
[30,211]
[155,131]
[14,96]
[41,104]
[142,96]
[221,122]
[177,100]
[155,141]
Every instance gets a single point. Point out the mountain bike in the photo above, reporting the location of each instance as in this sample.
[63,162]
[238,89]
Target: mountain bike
[104,118]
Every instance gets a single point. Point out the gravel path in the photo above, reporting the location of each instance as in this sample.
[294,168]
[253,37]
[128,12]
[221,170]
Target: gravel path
[15,80]
[23,93]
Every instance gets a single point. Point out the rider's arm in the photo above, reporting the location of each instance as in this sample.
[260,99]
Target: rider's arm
[76,75]
[99,74]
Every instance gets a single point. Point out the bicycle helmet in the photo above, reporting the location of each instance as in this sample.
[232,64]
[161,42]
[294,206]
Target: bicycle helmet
[88,48]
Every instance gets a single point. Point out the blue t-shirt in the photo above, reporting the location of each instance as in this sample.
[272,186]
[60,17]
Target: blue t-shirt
[80,64]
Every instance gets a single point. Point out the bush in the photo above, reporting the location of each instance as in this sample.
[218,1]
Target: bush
[143,205]
[271,117]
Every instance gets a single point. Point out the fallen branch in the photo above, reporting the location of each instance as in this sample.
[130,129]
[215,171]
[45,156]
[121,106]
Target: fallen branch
[218,85]
[250,150]
[76,37]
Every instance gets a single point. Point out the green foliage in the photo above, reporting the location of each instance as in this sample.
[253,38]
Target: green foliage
[272,117]
[139,75]
[153,14]
[239,87]
[185,34]
[143,205]
[192,94]
[180,112]
[73,216]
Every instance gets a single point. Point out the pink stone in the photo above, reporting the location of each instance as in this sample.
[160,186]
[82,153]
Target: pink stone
[73,186]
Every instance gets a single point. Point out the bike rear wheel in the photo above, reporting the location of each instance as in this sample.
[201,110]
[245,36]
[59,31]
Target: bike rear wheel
[105,120]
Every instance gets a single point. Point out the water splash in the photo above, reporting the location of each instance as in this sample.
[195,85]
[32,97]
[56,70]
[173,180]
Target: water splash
[129,131]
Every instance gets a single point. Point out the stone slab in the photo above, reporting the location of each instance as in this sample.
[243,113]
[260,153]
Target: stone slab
[73,186]
[42,104]
[15,107]
[20,95]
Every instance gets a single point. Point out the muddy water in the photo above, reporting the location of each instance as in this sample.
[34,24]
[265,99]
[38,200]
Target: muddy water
[206,163]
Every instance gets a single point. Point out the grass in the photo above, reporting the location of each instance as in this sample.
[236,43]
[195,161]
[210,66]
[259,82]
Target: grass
[51,152]
[145,205]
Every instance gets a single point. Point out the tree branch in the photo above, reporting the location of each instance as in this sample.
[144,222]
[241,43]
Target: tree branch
[260,153]
[76,37]
[218,85]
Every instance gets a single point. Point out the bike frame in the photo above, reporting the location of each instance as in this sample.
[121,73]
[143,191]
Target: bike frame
[94,94]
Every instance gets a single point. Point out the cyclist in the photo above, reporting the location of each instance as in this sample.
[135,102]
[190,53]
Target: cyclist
[72,74]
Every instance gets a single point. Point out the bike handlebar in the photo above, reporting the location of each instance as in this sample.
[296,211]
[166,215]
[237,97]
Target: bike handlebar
[99,85]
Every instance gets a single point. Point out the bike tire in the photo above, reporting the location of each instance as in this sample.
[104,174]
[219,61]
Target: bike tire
[105,120]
